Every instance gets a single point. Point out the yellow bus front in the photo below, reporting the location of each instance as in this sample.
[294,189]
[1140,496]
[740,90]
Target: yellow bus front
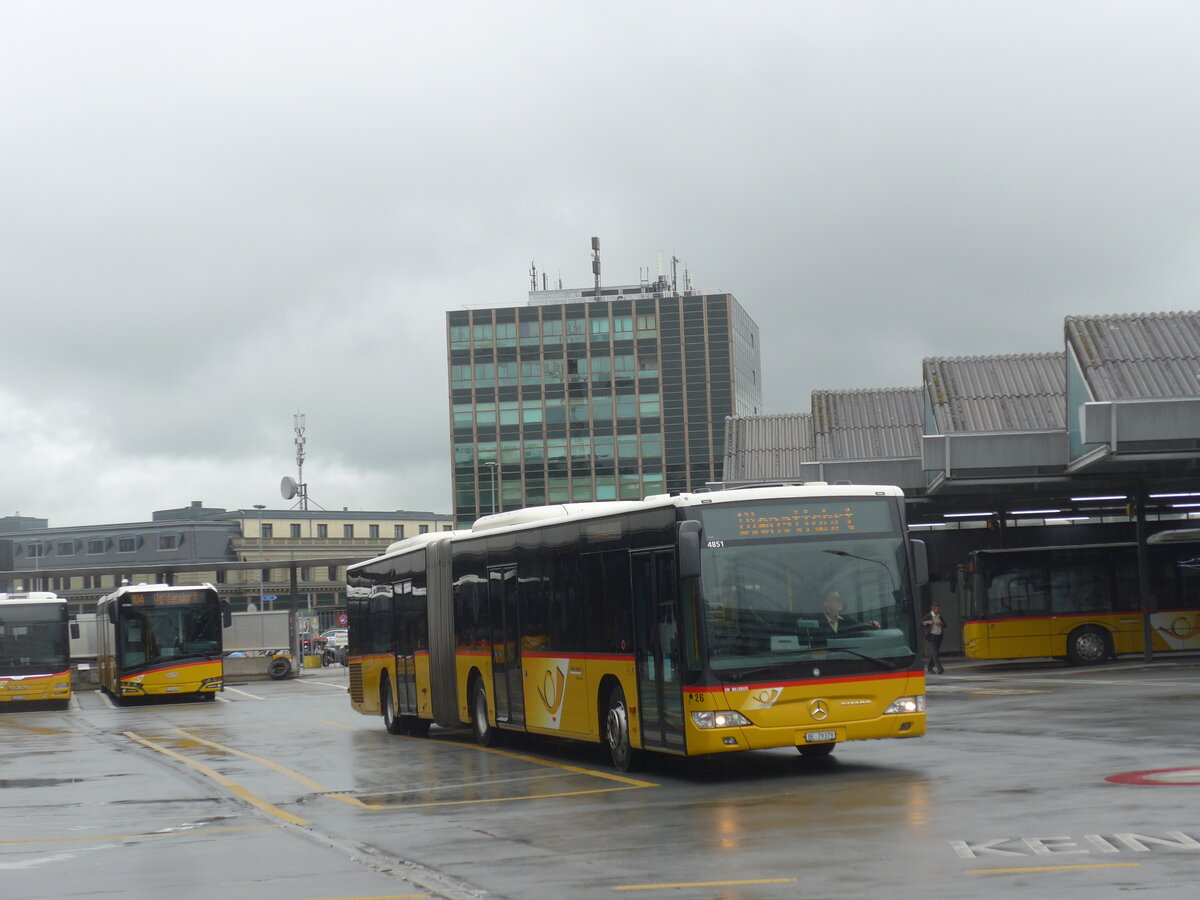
[36,688]
[203,677]
[802,714]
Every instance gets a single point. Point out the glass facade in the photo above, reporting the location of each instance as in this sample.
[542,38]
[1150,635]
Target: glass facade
[580,400]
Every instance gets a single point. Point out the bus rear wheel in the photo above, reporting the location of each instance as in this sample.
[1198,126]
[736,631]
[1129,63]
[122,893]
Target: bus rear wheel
[393,723]
[1088,645]
[485,733]
[616,731]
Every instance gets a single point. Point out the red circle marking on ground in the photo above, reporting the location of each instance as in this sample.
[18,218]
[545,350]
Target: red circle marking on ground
[1159,777]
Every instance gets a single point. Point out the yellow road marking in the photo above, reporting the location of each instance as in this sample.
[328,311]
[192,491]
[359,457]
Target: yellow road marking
[626,782]
[700,884]
[610,776]
[145,834]
[608,790]
[309,783]
[1051,868]
[252,799]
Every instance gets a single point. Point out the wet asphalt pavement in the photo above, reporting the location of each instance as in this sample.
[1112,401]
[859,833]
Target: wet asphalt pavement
[1034,779]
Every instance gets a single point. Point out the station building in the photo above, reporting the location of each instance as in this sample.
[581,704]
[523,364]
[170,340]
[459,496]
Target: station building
[1098,442]
[248,554]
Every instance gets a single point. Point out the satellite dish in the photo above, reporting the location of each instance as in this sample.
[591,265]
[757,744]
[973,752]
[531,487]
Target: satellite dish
[288,487]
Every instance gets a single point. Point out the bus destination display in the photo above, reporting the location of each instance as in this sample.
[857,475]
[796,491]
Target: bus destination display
[796,520]
[167,598]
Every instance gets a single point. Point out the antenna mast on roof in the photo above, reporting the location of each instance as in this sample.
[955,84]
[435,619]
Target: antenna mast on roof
[532,276]
[596,263]
[298,421]
[291,487]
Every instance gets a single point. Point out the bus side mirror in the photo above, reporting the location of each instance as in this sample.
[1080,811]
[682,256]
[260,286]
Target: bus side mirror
[226,614]
[920,563]
[74,629]
[112,613]
[689,549]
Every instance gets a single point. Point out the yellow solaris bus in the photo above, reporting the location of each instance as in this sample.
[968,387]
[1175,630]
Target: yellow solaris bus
[158,640]
[687,624]
[1081,603]
[35,649]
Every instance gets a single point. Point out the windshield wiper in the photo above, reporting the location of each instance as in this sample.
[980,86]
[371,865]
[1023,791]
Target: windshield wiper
[887,664]
[744,674]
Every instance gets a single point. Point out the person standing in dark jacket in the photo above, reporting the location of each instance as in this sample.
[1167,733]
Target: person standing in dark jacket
[935,627]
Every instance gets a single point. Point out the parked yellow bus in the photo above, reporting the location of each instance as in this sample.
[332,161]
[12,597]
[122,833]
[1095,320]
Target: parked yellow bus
[35,649]
[158,640]
[1081,603]
[684,624]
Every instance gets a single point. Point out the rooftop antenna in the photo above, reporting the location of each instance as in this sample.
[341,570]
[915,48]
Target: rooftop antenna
[532,276]
[295,487]
[298,421]
[675,261]
[596,263]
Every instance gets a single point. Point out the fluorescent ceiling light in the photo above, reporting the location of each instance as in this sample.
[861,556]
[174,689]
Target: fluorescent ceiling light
[1166,496]
[965,515]
[1184,505]
[1033,512]
[1114,497]
[1069,519]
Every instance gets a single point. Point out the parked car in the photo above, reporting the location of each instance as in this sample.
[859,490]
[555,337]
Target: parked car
[336,637]
[336,641]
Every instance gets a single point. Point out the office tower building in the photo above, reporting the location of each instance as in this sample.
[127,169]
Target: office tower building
[595,394]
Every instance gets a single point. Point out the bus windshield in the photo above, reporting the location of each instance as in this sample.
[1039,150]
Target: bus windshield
[33,640]
[152,635]
[786,588]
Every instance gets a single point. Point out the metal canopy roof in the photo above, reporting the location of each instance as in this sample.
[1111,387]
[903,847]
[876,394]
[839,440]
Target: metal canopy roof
[997,429]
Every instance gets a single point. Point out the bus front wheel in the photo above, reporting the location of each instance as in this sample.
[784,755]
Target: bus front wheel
[1088,645]
[616,731]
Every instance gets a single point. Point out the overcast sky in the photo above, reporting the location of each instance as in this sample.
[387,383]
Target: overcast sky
[215,215]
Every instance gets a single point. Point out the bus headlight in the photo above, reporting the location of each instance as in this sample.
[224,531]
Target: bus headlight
[905,705]
[719,719]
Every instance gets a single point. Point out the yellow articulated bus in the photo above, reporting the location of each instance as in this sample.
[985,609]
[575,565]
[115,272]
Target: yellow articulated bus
[35,649]
[711,622]
[158,640]
[1082,603]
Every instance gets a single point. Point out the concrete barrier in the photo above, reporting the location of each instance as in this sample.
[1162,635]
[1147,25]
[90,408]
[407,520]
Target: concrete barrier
[246,668]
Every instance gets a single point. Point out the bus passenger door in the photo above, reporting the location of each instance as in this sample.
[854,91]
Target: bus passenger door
[506,644]
[406,676]
[659,649]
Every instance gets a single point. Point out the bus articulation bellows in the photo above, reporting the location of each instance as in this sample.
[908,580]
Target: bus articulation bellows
[35,649]
[687,624]
[158,640]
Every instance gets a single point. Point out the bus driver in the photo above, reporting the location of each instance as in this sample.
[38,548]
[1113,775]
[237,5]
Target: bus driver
[833,622]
